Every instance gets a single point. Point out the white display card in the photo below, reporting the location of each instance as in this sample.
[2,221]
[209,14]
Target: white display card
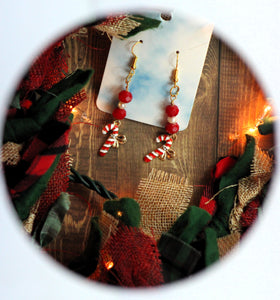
[156,62]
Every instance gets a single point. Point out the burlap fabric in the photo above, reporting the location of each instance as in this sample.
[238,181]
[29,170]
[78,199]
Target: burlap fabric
[108,225]
[29,222]
[162,198]
[118,26]
[251,186]
[10,153]
[227,243]
[132,258]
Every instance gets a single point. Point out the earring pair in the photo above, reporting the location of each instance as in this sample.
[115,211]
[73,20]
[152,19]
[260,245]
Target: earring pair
[119,113]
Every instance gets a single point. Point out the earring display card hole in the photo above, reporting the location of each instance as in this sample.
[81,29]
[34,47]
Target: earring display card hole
[156,62]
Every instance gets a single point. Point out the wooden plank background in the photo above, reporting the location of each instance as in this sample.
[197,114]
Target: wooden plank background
[228,101]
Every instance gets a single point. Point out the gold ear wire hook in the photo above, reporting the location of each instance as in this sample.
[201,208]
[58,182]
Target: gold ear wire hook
[133,65]
[175,88]
[135,57]
[176,70]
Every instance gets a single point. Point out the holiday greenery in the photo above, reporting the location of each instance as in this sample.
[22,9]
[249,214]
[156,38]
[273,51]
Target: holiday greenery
[228,188]
[52,225]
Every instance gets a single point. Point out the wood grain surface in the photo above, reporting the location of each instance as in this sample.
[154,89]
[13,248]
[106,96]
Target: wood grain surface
[228,101]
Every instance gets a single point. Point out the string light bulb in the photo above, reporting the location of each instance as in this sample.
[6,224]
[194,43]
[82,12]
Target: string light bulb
[253,130]
[267,111]
[109,265]
[73,110]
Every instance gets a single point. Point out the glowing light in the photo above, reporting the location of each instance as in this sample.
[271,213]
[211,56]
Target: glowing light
[267,109]
[73,109]
[109,265]
[254,130]
[119,213]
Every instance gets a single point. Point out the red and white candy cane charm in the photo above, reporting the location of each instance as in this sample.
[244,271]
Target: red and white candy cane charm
[119,112]
[162,152]
[113,140]
[171,127]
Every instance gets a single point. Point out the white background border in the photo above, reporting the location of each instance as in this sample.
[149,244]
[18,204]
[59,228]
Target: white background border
[252,272]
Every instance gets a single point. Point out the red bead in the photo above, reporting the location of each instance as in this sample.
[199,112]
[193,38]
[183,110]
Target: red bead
[119,113]
[125,96]
[172,110]
[172,128]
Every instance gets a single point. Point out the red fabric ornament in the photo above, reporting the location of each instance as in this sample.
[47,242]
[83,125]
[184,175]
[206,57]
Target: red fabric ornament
[250,213]
[48,69]
[119,113]
[125,96]
[132,258]
[171,128]
[209,205]
[26,104]
[172,110]
[37,72]
[57,67]
[223,166]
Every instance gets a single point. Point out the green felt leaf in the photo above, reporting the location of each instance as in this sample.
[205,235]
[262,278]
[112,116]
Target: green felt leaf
[127,210]
[19,130]
[228,188]
[179,255]
[211,246]
[178,258]
[86,263]
[60,92]
[54,220]
[267,127]
[16,101]
[190,223]
[28,198]
[146,23]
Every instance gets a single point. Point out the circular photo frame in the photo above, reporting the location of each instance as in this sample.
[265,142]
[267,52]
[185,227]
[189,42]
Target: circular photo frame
[141,216]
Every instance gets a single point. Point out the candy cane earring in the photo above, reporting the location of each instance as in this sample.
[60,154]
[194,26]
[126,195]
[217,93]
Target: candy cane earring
[119,113]
[171,127]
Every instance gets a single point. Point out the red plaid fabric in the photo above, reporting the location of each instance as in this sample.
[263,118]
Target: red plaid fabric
[41,163]
[57,184]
